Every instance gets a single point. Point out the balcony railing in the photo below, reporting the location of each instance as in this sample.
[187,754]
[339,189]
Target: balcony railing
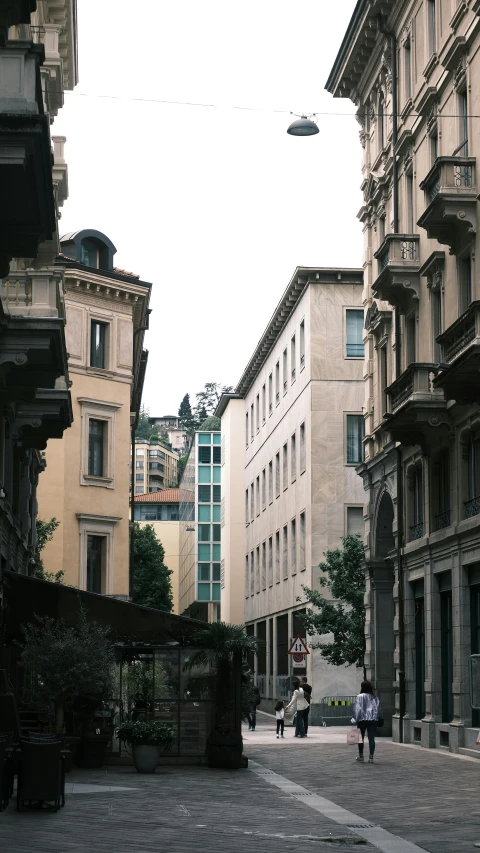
[449,174]
[415,383]
[417,531]
[461,333]
[472,507]
[443,519]
[34,293]
[461,356]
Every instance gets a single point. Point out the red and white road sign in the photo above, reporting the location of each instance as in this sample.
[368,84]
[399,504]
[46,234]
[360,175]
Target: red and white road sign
[298,647]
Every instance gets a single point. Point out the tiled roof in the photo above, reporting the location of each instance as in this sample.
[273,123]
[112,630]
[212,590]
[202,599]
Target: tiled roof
[115,269]
[168,496]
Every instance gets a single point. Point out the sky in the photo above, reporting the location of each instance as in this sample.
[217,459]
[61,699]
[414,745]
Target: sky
[215,206]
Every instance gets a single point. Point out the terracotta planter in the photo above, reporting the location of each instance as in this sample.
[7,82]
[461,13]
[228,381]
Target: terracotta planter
[145,757]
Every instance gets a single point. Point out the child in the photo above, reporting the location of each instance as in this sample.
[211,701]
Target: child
[280,715]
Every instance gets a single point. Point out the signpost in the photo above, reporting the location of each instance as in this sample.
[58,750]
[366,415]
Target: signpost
[298,650]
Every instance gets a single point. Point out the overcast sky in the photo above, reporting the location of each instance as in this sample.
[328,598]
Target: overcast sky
[216,207]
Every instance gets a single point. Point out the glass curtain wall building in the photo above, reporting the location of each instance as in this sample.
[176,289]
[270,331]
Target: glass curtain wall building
[200,524]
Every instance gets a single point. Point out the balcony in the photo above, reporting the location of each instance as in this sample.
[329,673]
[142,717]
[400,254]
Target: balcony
[398,279]
[415,407]
[472,507]
[451,198]
[461,352]
[417,531]
[34,293]
[48,415]
[27,214]
[443,519]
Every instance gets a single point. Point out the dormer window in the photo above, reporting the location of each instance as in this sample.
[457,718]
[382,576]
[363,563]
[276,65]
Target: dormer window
[89,255]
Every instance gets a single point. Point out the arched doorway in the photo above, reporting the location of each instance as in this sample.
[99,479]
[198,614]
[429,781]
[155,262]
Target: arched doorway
[382,580]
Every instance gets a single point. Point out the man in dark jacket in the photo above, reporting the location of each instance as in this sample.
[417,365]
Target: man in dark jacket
[307,690]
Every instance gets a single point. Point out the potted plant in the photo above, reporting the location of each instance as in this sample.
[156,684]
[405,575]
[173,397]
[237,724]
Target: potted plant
[147,740]
[71,665]
[226,648]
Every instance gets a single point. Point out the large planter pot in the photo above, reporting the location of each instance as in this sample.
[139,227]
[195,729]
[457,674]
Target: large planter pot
[91,751]
[145,757]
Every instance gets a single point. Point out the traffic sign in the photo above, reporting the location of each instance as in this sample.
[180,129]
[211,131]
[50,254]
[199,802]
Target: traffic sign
[298,647]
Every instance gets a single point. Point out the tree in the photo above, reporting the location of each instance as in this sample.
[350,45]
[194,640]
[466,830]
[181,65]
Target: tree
[343,614]
[69,662]
[208,400]
[151,577]
[145,430]
[45,531]
[182,461]
[164,438]
[185,415]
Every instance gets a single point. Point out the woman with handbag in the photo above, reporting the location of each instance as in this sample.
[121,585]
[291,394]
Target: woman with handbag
[367,716]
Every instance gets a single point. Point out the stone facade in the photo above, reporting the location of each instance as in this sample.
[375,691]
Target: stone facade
[411,69]
[87,478]
[156,467]
[289,484]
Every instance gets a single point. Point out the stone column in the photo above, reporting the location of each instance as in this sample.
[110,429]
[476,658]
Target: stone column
[433,674]
[461,651]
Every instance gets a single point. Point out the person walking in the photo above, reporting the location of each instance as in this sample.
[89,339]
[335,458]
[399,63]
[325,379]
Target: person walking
[366,714]
[299,704]
[280,717]
[308,696]
[252,712]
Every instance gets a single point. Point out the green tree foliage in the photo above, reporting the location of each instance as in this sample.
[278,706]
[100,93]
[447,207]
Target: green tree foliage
[45,531]
[208,400]
[185,415]
[145,430]
[68,663]
[181,467]
[343,613]
[151,577]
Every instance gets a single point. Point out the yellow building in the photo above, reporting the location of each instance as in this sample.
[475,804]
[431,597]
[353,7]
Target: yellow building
[86,482]
[161,510]
[156,467]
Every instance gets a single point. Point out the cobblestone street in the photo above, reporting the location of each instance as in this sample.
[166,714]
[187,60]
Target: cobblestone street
[308,793]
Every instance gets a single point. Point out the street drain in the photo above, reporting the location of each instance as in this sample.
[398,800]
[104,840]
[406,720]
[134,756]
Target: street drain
[361,825]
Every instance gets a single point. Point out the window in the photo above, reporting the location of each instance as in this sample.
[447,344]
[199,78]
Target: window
[285,371]
[217,454]
[465,273]
[285,466]
[277,475]
[270,561]
[355,434]
[293,457]
[264,565]
[411,338]
[437,326]
[270,394]
[252,503]
[419,657]
[95,447]
[355,521]
[380,121]
[97,344]
[252,575]
[277,556]
[381,230]
[95,564]
[473,476]
[463,123]
[441,489]
[383,378]
[89,253]
[433,148]
[257,569]
[277,383]
[258,413]
[139,478]
[409,215]
[140,464]
[246,506]
[475,636]
[204,494]
[205,455]
[246,430]
[247,576]
[264,404]
[252,428]
[293,359]
[302,542]
[257,494]
[285,551]
[302,344]
[407,68]
[416,486]
[303,450]
[354,333]
[264,489]
[432,26]
[293,546]
[270,482]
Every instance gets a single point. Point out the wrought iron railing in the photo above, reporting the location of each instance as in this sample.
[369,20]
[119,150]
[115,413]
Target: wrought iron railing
[416,531]
[408,250]
[443,519]
[402,393]
[472,507]
[463,175]
[460,334]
